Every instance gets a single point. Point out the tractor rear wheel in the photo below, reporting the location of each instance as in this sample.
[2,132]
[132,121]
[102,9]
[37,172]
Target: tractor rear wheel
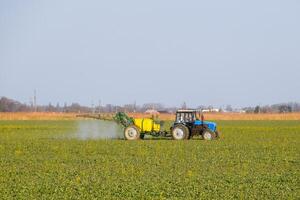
[208,135]
[132,133]
[180,132]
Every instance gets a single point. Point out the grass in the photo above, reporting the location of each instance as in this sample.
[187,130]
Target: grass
[252,160]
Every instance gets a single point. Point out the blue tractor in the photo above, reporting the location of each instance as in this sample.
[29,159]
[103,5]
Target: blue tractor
[187,124]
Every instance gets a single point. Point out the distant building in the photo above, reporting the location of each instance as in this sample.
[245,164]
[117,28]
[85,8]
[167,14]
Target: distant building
[239,111]
[211,110]
[215,110]
[152,112]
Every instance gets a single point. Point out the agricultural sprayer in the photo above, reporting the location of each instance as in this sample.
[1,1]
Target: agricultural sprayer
[185,126]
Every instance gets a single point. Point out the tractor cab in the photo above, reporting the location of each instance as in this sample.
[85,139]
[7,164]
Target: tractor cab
[188,124]
[186,116]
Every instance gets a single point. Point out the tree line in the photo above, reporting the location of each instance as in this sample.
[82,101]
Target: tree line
[10,105]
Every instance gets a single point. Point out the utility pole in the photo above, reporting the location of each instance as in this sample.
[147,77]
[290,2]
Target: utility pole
[99,108]
[34,101]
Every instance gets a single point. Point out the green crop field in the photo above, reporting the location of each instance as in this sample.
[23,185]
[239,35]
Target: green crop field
[252,160]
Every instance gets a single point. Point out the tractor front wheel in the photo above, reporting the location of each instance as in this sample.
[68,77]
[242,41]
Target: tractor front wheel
[208,135]
[132,133]
[180,132]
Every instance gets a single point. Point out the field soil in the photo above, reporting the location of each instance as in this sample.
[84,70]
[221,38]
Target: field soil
[208,116]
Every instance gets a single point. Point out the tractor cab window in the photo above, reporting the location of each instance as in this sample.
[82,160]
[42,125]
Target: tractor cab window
[185,117]
[194,117]
[179,117]
[190,117]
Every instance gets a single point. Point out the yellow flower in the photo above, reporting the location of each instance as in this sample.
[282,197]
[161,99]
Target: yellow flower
[18,152]
[189,173]
[78,180]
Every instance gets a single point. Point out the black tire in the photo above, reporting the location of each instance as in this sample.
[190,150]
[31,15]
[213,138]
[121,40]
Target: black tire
[208,135]
[142,136]
[180,132]
[132,133]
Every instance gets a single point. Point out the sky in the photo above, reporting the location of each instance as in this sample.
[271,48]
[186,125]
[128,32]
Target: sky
[242,53]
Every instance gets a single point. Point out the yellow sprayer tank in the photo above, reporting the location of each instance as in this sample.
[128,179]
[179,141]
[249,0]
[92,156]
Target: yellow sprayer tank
[147,125]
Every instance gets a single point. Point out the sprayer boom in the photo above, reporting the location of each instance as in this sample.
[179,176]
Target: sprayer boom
[120,118]
[123,119]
